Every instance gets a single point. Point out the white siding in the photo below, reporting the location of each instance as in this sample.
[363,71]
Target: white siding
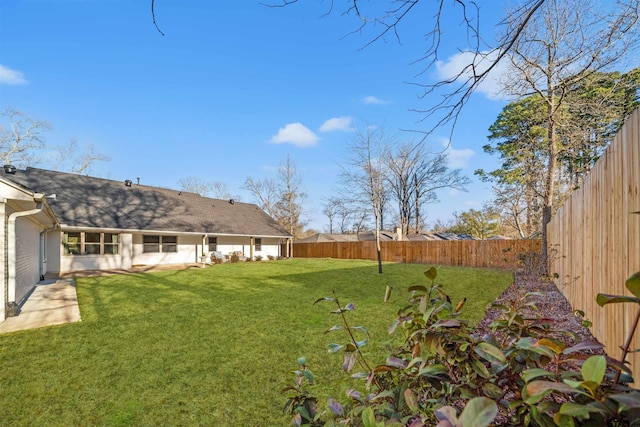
[189,248]
[65,263]
[131,252]
[3,258]
[27,257]
[230,244]
[90,262]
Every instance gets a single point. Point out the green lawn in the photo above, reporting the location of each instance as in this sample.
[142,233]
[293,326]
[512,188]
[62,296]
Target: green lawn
[207,346]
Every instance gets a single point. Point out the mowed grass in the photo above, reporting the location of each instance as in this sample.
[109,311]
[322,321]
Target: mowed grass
[208,346]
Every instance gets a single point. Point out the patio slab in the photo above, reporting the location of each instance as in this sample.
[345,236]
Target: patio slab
[52,302]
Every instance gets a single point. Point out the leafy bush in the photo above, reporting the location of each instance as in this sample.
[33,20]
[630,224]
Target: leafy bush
[519,374]
[258,257]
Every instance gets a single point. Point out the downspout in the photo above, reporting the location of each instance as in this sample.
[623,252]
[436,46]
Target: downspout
[10,284]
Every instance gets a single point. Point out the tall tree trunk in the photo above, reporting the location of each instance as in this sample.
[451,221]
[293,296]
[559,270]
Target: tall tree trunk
[378,248]
[552,161]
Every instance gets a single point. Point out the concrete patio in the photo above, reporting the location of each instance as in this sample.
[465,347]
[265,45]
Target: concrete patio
[52,302]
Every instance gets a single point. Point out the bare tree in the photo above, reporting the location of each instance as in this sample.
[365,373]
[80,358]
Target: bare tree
[70,157]
[345,215]
[331,210]
[289,206]
[563,44]
[415,176]
[511,203]
[402,163]
[359,220]
[266,193]
[383,20]
[365,175]
[21,138]
[432,174]
[281,198]
[22,144]
[86,160]
[215,189]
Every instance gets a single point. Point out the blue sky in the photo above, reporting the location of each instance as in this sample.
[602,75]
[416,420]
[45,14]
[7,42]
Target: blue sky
[231,90]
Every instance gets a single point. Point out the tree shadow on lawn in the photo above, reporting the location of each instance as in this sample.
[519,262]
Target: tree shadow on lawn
[190,343]
[256,286]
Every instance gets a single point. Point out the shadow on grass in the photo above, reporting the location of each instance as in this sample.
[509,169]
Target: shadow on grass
[291,283]
[211,347]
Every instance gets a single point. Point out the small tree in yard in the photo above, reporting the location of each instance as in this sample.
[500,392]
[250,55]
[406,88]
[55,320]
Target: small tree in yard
[365,174]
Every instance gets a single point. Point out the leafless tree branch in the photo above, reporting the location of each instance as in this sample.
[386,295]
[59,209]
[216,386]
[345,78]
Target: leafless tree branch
[153,16]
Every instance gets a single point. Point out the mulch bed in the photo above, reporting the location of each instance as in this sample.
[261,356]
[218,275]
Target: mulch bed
[551,306]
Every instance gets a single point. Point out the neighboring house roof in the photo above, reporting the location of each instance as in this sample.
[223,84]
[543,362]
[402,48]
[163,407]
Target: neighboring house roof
[85,201]
[421,236]
[385,236]
[367,236]
[453,236]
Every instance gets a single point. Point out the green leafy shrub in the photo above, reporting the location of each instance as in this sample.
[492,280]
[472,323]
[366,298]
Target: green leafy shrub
[301,404]
[258,257]
[519,374]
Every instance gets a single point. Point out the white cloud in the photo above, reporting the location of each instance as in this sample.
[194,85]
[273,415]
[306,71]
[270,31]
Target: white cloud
[457,159]
[296,134]
[490,87]
[373,100]
[337,124]
[11,77]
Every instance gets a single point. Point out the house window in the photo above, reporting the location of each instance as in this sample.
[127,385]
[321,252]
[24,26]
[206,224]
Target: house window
[92,243]
[258,244]
[111,244]
[213,244]
[89,243]
[169,244]
[156,244]
[72,243]
[151,244]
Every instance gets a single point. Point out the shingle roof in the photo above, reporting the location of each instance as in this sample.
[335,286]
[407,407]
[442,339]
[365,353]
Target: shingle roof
[367,236]
[84,201]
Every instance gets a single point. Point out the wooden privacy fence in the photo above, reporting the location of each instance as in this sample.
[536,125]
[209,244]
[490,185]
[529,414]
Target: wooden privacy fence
[594,241]
[468,253]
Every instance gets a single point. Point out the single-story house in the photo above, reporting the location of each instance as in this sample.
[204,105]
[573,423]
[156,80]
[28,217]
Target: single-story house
[57,222]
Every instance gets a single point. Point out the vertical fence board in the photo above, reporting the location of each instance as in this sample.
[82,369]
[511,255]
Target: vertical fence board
[466,253]
[597,239]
